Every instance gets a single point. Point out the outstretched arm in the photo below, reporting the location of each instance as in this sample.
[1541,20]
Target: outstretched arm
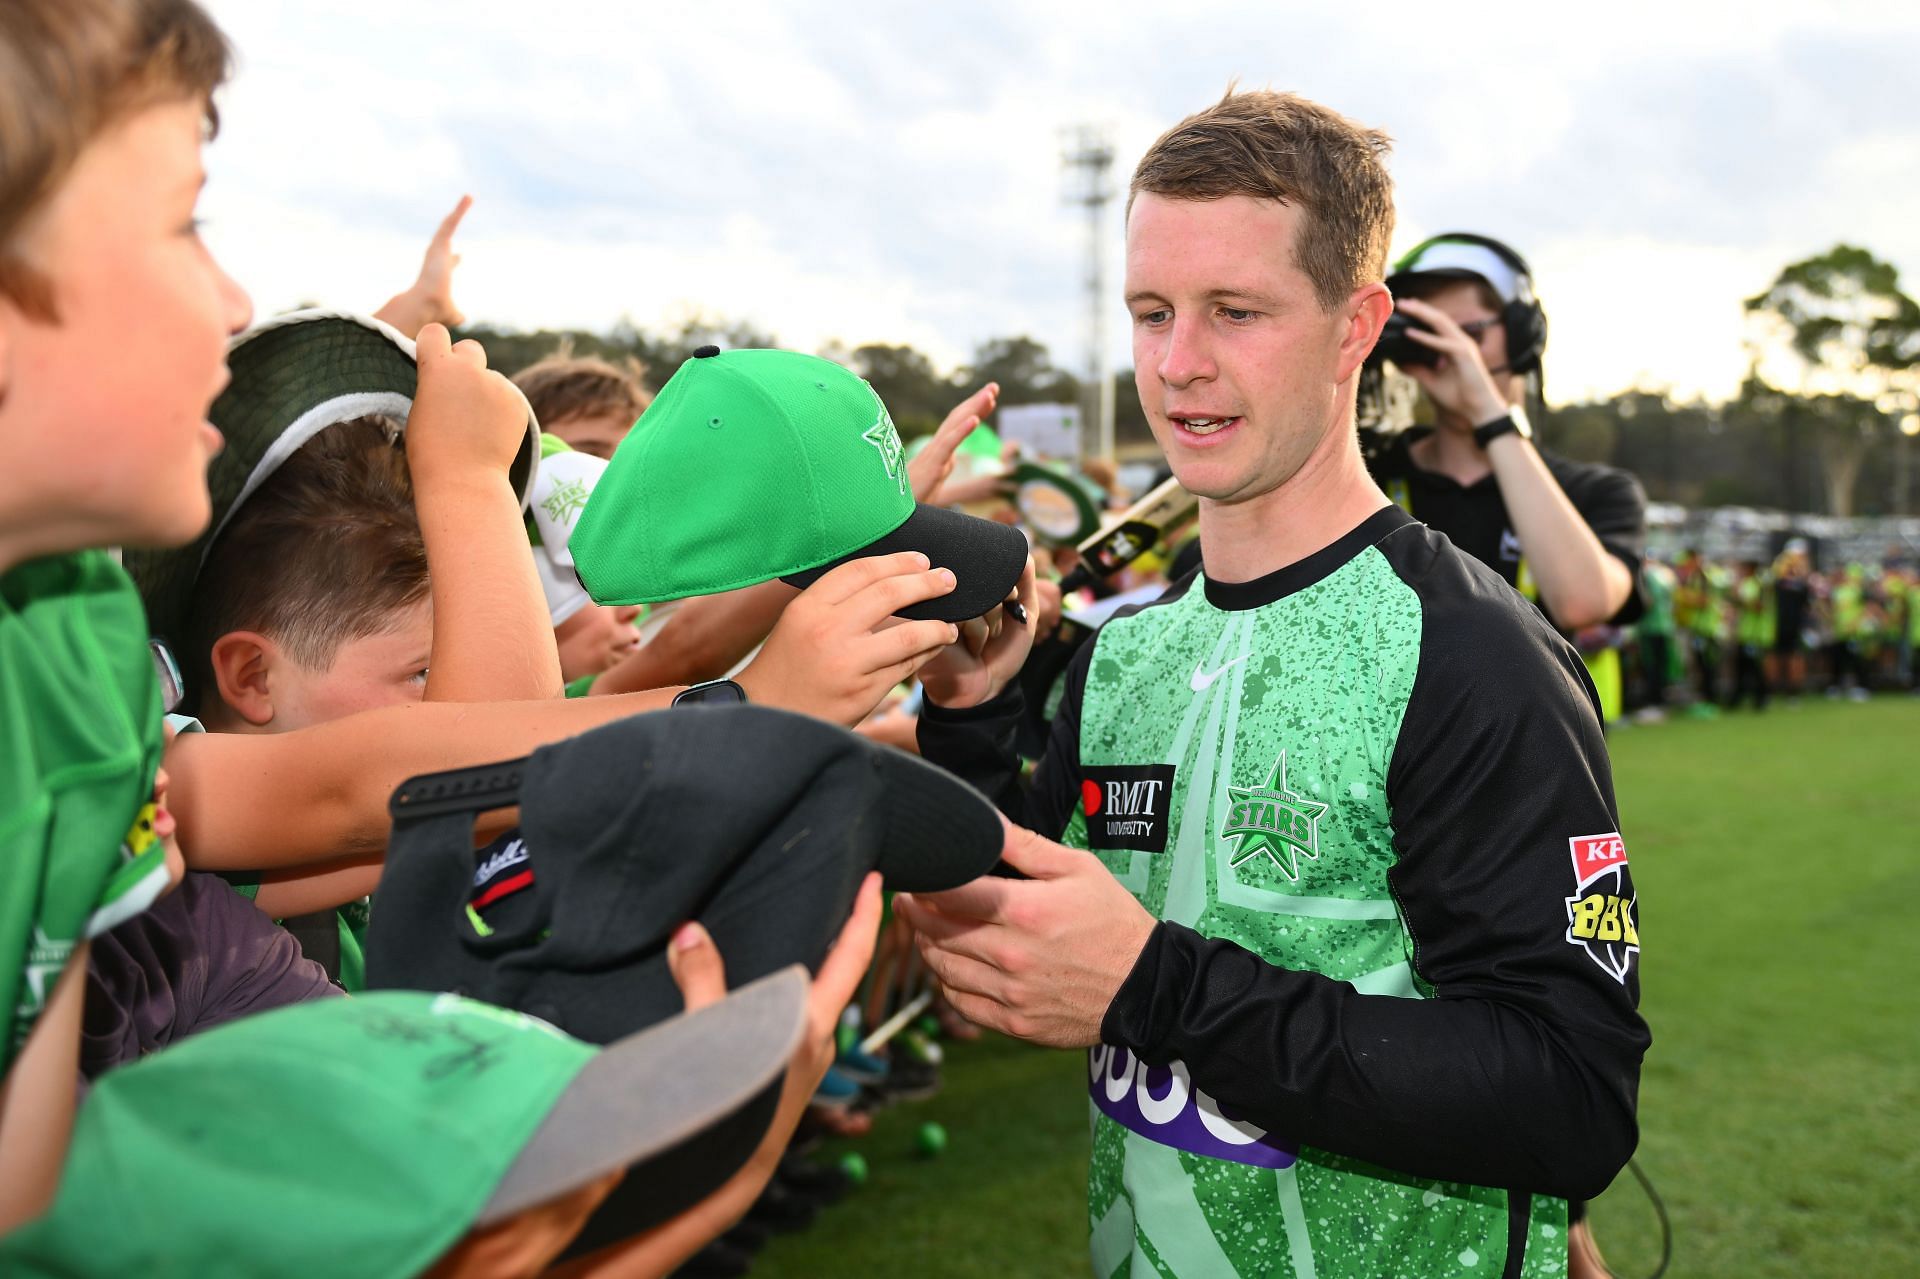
[492,636]
[429,299]
[836,652]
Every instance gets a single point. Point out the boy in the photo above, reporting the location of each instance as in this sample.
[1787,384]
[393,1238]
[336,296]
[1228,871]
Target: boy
[590,403]
[113,329]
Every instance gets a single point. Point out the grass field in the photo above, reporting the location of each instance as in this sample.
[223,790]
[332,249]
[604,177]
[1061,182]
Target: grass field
[1777,860]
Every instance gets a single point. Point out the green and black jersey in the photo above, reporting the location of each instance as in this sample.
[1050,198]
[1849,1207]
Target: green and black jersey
[1387,1024]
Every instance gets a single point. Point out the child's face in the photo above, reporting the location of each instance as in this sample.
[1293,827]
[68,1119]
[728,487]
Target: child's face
[598,435]
[383,669]
[106,437]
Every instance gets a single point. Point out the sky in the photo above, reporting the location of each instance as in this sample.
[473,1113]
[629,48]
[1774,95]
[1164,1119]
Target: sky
[877,172]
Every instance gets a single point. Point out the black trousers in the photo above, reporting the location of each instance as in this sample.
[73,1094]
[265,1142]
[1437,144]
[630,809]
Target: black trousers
[1749,672]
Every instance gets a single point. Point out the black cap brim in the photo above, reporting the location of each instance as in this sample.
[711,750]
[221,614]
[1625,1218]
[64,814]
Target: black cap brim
[681,1106]
[986,558]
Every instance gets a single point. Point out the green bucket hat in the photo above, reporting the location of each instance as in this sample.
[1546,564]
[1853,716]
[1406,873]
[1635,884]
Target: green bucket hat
[292,377]
[366,1136]
[752,465]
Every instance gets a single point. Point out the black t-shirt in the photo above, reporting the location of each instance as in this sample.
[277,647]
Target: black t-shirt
[200,956]
[1474,516]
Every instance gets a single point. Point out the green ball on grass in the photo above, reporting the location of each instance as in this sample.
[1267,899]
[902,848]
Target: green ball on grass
[931,1140]
[854,1164]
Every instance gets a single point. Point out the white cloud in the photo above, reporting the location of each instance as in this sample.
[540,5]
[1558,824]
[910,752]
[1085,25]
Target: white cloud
[873,173]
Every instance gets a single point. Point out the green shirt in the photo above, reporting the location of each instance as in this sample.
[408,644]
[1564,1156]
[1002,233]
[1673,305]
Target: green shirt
[1368,797]
[80,717]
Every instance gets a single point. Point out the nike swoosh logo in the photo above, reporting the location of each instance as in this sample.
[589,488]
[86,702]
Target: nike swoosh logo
[1203,679]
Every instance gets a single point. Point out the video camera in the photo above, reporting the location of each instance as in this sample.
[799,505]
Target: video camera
[1395,345]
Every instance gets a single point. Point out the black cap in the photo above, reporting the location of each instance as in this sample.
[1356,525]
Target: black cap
[758,823]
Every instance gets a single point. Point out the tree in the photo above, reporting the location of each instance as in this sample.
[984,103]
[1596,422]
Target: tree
[1836,333]
[1024,370]
[907,383]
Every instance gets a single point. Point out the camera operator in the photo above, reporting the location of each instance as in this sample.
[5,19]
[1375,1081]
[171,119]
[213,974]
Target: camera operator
[1568,535]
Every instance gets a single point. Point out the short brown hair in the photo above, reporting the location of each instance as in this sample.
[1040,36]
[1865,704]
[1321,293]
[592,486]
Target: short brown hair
[1279,146]
[565,385]
[326,550]
[69,69]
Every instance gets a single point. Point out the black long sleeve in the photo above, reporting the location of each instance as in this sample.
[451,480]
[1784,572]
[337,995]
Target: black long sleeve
[977,745]
[1522,1067]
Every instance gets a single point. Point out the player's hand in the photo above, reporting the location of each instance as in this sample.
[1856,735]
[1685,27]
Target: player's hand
[837,650]
[927,472]
[429,299]
[1038,958]
[1460,383]
[465,416]
[988,653]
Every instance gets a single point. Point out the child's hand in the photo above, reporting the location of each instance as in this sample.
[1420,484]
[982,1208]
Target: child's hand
[466,418]
[930,469]
[429,299]
[838,649]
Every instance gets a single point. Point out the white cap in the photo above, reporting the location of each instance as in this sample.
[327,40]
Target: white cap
[560,491]
[1463,257]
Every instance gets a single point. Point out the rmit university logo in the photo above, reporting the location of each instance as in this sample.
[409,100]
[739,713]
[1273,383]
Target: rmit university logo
[1126,805]
[1602,913]
[1162,1105]
[1271,819]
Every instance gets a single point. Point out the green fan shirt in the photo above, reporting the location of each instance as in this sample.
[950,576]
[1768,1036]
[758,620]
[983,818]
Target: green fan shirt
[80,716]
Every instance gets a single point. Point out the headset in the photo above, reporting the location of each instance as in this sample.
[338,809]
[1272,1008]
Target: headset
[1523,319]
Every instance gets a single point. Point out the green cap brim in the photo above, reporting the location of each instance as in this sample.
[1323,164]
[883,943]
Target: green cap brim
[292,377]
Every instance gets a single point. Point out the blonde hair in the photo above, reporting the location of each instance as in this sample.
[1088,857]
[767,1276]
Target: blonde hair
[564,385]
[1280,146]
[68,70]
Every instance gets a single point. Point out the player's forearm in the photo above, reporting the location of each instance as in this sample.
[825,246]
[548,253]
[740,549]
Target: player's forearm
[247,802]
[975,744]
[492,635]
[1581,583]
[1466,1090]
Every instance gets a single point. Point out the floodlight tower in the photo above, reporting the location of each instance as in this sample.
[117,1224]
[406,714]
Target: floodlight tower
[1087,156]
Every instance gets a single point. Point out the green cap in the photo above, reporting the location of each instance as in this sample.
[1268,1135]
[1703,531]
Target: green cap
[292,377]
[365,1136]
[752,465]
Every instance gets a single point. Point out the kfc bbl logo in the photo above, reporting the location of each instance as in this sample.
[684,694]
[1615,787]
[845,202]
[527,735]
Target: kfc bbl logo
[1602,913]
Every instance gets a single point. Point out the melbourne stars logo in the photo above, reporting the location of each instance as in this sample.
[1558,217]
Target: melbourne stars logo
[885,438]
[1273,820]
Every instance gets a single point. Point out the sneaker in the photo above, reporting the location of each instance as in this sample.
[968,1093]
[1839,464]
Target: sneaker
[835,1090]
[862,1068]
[823,1182]
[1649,715]
[782,1211]
[920,1047]
[911,1080]
[1858,695]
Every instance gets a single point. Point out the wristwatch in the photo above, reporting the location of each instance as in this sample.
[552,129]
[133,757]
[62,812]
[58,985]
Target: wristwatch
[1512,422]
[715,692]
